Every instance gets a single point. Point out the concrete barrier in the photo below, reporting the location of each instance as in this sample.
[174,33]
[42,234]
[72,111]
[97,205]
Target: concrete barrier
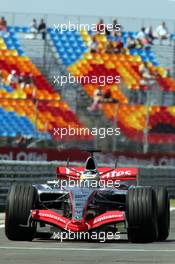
[158,176]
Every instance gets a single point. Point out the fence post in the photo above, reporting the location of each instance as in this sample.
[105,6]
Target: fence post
[173,70]
[146,130]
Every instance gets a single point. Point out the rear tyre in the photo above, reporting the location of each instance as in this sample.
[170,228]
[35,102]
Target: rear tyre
[163,205]
[21,199]
[141,214]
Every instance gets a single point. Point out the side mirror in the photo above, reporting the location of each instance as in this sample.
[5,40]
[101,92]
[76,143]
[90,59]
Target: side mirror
[67,163]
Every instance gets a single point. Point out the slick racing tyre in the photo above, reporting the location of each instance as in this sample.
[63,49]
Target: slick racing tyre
[21,199]
[163,206]
[141,214]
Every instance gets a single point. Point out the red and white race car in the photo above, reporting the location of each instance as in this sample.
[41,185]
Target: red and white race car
[89,199]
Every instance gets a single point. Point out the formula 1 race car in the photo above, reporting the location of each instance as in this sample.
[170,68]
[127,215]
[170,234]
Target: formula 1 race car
[89,199]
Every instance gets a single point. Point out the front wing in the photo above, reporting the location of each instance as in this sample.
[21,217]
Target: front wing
[56,219]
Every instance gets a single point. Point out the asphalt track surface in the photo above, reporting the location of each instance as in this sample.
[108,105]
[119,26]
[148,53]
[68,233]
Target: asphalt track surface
[79,252]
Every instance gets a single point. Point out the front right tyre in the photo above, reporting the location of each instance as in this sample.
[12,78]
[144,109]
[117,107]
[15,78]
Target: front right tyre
[21,199]
[163,205]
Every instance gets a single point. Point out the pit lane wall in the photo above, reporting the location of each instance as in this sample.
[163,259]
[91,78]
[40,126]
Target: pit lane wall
[41,171]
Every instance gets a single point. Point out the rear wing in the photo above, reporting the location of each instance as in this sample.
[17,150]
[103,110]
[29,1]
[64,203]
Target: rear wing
[118,174]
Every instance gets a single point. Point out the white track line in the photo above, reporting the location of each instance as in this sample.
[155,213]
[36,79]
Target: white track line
[89,249]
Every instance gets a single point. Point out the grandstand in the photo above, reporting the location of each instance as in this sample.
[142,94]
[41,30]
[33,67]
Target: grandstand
[18,105]
[131,118]
[35,110]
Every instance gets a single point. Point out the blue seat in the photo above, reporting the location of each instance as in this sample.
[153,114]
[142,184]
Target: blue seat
[61,51]
[134,52]
[50,30]
[67,45]
[67,62]
[58,44]
[74,45]
[11,46]
[124,34]
[17,46]
[70,51]
[151,57]
[64,56]
[14,38]
[55,38]
[76,33]
[63,38]
[155,62]
[2,110]
[132,34]
[8,42]
[4,133]
[90,32]
[141,52]
[10,29]
[79,40]
[21,52]
[12,134]
[69,33]
[18,29]
[172,37]
[84,49]
[25,29]
[110,37]
[144,58]
[78,51]
[72,39]
[9,89]
[74,57]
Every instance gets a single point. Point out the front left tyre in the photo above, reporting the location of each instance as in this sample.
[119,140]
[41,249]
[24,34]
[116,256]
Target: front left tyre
[141,215]
[21,199]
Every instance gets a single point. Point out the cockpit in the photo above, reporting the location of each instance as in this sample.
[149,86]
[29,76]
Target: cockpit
[90,172]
